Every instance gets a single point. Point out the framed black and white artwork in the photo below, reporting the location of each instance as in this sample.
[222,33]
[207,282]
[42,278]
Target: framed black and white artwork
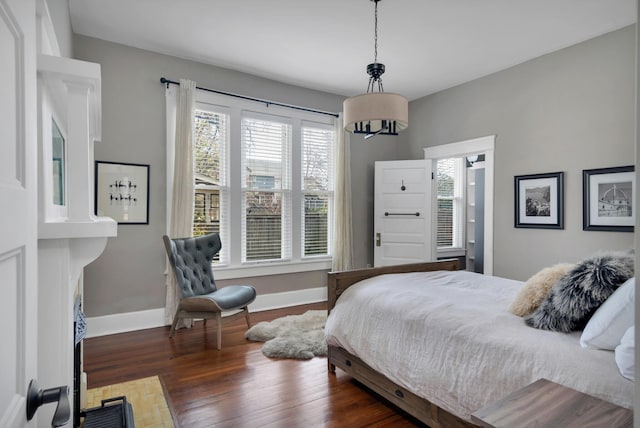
[607,199]
[539,201]
[122,192]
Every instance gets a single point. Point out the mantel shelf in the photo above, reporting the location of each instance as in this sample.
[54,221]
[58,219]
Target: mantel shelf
[97,228]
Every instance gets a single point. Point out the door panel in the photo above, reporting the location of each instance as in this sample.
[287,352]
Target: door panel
[402,218]
[406,203]
[18,212]
[406,226]
[404,252]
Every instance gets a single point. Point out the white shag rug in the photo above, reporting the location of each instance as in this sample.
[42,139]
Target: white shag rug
[293,336]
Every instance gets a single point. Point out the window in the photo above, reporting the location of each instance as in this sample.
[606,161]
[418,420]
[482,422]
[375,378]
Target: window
[266,188]
[461,149]
[317,188]
[264,181]
[210,174]
[59,167]
[450,209]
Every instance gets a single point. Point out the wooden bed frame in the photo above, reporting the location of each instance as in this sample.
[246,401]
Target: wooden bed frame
[420,408]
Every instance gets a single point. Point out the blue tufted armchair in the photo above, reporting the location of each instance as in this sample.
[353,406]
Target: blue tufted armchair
[191,259]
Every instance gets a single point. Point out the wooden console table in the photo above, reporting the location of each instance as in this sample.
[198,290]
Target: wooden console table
[547,404]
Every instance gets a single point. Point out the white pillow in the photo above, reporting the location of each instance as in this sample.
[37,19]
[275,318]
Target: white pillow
[625,354]
[612,319]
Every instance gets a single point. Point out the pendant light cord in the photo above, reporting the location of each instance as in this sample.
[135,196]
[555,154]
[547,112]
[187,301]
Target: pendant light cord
[375,33]
[376,72]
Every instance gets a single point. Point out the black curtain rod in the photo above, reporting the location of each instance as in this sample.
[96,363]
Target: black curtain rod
[267,102]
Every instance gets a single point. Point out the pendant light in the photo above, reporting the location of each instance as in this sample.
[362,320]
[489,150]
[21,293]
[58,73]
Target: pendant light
[376,113]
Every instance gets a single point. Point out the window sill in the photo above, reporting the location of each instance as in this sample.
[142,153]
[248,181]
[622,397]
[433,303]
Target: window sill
[275,268]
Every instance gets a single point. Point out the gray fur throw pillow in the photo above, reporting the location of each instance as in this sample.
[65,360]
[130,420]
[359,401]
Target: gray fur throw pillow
[576,296]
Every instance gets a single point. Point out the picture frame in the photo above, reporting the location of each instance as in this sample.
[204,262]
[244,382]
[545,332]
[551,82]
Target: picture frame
[122,192]
[539,201]
[607,199]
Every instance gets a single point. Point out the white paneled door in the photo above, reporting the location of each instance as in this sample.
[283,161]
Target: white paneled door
[402,214]
[18,209]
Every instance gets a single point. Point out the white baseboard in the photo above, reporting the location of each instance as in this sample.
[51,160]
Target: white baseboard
[131,321]
[121,323]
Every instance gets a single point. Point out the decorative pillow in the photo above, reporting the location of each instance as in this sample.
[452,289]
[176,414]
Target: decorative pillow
[609,323]
[625,354]
[577,295]
[537,288]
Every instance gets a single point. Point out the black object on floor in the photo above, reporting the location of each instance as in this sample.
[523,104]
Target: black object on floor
[114,412]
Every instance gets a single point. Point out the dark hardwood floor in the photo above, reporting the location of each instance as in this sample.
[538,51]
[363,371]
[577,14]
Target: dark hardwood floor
[237,386]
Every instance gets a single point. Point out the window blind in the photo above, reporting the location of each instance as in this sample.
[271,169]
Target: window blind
[445,209]
[266,180]
[317,183]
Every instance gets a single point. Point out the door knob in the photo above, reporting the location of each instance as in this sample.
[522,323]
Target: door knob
[36,397]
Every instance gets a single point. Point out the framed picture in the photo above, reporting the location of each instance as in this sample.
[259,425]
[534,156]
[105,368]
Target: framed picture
[539,201]
[122,192]
[607,199]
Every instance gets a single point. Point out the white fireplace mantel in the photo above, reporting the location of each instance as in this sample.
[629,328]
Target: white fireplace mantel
[70,235]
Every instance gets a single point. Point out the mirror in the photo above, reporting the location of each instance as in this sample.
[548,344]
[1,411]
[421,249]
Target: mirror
[58,158]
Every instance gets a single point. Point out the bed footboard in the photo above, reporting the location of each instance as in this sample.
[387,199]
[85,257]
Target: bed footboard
[337,282]
[418,407]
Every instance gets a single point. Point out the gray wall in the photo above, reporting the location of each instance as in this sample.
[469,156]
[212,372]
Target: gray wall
[566,111]
[129,275]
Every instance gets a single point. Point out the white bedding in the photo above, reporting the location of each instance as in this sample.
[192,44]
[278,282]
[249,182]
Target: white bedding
[448,337]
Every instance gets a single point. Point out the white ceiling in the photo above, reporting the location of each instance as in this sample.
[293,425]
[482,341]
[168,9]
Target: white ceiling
[426,45]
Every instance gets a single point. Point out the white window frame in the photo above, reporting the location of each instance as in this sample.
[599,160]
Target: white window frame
[458,199]
[235,107]
[285,191]
[224,255]
[330,193]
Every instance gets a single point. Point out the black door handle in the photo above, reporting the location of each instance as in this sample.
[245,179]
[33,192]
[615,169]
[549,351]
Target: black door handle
[36,397]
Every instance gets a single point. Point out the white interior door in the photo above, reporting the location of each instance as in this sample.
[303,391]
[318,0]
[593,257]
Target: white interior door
[402,217]
[18,211]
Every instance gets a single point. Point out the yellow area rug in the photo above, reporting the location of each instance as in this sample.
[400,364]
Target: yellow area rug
[146,396]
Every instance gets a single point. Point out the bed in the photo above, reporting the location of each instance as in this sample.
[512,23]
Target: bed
[439,343]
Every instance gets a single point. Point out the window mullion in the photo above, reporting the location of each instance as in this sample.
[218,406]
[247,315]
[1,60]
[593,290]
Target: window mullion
[236,195]
[296,196]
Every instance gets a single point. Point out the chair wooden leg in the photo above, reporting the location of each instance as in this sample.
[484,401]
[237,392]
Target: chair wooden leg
[176,317]
[219,330]
[247,317]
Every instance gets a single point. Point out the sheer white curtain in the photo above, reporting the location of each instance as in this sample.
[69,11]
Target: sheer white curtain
[180,197]
[343,235]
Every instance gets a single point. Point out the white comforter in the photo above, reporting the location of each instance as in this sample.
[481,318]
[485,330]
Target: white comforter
[448,337]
